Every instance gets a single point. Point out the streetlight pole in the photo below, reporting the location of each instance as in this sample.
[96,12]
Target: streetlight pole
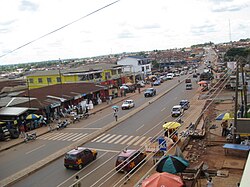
[28,86]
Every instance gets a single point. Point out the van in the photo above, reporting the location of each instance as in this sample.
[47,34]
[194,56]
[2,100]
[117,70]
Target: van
[177,110]
[129,159]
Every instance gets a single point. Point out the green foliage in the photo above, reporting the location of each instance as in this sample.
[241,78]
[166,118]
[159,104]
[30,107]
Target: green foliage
[234,53]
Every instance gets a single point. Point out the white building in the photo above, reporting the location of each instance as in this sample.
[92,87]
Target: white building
[138,65]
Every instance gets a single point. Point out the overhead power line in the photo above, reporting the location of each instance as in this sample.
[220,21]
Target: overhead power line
[60,28]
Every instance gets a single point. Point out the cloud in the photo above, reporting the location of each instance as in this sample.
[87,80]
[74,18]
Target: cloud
[150,26]
[229,8]
[125,34]
[28,6]
[203,29]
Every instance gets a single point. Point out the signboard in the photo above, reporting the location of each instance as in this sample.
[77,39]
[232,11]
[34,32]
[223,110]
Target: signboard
[162,144]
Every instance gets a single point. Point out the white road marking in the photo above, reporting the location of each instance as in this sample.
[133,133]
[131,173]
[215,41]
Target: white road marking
[97,138]
[133,140]
[175,98]
[120,139]
[142,138]
[163,109]
[103,138]
[140,127]
[114,138]
[80,134]
[78,138]
[108,138]
[65,136]
[60,136]
[144,143]
[85,128]
[127,139]
[35,149]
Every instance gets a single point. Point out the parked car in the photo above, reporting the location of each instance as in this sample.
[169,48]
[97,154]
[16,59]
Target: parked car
[185,104]
[79,157]
[128,104]
[150,92]
[157,83]
[177,110]
[129,159]
[141,84]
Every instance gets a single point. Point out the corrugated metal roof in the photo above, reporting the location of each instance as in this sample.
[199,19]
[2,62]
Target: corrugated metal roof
[12,111]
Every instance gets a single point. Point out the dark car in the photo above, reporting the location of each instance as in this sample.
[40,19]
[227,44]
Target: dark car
[129,159]
[150,92]
[79,157]
[185,104]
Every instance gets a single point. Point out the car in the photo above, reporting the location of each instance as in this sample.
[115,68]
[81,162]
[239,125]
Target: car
[79,157]
[141,84]
[128,104]
[157,82]
[170,76]
[150,92]
[185,104]
[177,110]
[189,86]
[129,159]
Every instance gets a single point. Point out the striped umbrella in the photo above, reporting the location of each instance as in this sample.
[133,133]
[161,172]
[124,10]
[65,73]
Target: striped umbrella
[224,116]
[32,116]
[172,164]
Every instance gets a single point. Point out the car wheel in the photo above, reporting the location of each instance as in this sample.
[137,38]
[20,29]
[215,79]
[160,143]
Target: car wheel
[94,157]
[80,166]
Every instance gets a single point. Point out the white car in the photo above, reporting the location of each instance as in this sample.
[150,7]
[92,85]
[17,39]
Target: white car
[177,110]
[128,104]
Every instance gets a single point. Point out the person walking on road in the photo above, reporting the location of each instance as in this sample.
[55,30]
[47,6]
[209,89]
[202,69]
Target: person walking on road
[115,114]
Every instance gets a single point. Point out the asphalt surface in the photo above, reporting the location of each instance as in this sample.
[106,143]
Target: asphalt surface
[135,128]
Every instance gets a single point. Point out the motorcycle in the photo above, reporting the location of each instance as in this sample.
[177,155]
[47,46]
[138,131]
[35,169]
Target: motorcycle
[85,115]
[30,136]
[76,118]
[62,124]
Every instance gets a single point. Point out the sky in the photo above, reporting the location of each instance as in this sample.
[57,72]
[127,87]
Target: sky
[124,26]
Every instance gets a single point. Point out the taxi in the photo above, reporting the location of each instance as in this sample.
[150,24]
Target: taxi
[129,159]
[79,157]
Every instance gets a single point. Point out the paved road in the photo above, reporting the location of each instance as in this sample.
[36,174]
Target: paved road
[133,132]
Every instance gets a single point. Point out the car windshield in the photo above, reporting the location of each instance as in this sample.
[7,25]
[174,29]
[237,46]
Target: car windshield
[121,159]
[176,109]
[70,157]
[127,102]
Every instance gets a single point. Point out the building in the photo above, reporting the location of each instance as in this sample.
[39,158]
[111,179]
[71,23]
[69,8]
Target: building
[95,73]
[139,66]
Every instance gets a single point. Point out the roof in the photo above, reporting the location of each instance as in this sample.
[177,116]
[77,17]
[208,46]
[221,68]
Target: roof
[137,57]
[177,106]
[76,150]
[61,92]
[12,111]
[127,153]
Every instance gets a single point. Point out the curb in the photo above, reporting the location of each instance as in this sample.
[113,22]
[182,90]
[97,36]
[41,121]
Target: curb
[40,164]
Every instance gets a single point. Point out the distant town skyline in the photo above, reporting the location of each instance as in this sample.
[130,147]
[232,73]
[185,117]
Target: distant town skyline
[124,26]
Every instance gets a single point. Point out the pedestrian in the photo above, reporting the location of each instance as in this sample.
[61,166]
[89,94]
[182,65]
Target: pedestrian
[224,126]
[110,99]
[139,90]
[77,182]
[115,114]
[210,182]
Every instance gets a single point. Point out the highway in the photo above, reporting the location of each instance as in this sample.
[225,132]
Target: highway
[131,133]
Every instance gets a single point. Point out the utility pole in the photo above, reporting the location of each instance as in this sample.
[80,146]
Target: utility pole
[28,86]
[236,100]
[244,90]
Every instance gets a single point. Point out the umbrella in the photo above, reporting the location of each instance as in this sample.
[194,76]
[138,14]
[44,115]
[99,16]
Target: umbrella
[171,125]
[115,107]
[202,82]
[163,180]
[224,116]
[172,164]
[32,116]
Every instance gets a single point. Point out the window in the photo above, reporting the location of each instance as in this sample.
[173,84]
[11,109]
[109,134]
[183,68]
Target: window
[49,80]
[147,67]
[31,81]
[142,68]
[40,80]
[58,79]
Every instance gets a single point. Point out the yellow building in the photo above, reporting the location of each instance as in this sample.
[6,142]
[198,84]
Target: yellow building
[88,73]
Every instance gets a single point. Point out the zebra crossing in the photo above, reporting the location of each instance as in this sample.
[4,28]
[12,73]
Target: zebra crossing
[103,138]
